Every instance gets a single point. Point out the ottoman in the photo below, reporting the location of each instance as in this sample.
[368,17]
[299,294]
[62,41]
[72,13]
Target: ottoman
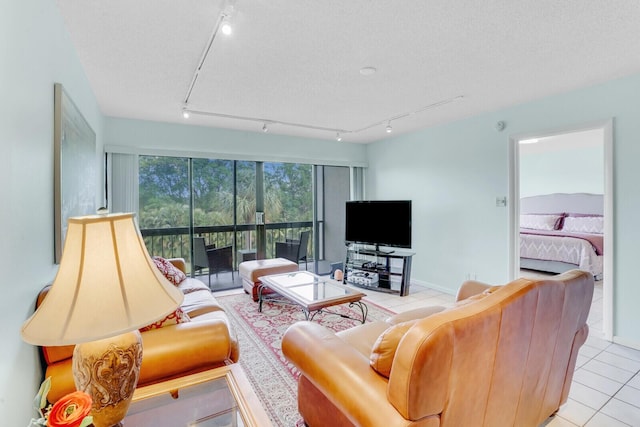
[250,271]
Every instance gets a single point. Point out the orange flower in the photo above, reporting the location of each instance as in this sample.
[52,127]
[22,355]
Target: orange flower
[70,410]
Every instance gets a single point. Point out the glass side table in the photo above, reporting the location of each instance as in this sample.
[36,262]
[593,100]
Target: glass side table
[221,397]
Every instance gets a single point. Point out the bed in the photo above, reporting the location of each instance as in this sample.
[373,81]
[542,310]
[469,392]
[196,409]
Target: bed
[560,232]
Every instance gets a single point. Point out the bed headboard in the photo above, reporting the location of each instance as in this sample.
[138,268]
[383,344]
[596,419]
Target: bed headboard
[584,203]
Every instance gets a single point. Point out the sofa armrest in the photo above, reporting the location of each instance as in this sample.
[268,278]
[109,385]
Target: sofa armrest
[186,347]
[340,372]
[179,263]
[471,288]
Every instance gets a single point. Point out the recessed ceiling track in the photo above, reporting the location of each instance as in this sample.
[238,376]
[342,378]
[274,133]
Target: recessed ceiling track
[343,132]
[224,18]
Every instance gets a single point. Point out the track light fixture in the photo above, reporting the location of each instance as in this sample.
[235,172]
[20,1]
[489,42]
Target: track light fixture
[338,132]
[225,23]
[225,26]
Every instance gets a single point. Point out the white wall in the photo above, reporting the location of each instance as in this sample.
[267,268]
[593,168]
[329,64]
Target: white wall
[567,163]
[454,173]
[35,54]
[145,137]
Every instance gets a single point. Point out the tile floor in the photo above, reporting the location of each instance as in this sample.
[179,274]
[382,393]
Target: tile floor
[606,385]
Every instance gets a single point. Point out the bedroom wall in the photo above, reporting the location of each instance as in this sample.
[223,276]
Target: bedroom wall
[455,171]
[567,163]
[36,53]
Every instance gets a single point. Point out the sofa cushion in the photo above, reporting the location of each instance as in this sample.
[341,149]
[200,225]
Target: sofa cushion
[171,272]
[178,316]
[384,349]
[199,302]
[192,285]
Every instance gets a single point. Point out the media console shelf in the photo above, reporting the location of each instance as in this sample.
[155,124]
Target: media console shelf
[385,271]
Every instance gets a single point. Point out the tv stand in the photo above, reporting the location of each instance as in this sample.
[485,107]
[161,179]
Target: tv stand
[383,252]
[375,270]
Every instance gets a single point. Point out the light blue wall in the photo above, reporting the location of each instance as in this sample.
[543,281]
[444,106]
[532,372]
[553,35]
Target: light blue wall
[576,170]
[35,53]
[144,137]
[454,173]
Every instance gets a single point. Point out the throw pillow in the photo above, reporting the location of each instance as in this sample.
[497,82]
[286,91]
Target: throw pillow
[170,271]
[174,318]
[384,349]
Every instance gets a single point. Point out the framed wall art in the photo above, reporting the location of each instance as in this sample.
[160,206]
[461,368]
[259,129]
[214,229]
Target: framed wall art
[75,166]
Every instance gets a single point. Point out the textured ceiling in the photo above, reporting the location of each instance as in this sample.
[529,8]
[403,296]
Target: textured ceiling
[299,61]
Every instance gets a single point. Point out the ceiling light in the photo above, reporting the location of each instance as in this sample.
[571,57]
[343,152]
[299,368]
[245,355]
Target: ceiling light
[389,129]
[185,114]
[338,137]
[225,27]
[265,129]
[367,71]
[529,141]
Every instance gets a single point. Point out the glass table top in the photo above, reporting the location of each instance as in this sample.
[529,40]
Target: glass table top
[307,286]
[215,398]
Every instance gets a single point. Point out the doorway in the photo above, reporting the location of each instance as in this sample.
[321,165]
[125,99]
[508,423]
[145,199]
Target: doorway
[518,189]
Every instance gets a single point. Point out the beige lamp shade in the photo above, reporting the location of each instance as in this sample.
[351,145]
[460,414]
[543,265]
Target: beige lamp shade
[107,284]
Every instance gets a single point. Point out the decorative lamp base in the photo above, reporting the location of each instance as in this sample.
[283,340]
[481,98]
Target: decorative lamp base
[108,371]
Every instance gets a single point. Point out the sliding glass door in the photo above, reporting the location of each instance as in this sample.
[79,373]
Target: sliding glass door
[216,201]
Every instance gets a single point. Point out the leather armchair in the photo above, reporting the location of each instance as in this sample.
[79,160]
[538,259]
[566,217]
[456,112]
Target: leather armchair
[502,356]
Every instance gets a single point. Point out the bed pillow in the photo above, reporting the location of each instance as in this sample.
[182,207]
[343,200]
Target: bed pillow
[584,224]
[540,222]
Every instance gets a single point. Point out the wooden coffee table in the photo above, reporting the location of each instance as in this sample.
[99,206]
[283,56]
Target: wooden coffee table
[311,292]
[214,398]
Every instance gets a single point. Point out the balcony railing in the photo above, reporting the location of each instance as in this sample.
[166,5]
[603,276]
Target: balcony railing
[175,242]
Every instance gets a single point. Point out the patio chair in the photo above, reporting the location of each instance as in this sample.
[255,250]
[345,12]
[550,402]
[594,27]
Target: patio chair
[294,250]
[216,260]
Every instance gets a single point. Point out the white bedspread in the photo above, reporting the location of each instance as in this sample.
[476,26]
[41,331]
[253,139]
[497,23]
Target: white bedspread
[564,249]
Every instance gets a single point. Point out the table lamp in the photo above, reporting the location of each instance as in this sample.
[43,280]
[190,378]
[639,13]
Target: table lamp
[106,288]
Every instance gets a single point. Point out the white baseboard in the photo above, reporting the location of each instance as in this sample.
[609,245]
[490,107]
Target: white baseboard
[434,286]
[626,342]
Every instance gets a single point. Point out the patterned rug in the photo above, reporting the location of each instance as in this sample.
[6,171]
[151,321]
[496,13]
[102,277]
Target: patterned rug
[260,335]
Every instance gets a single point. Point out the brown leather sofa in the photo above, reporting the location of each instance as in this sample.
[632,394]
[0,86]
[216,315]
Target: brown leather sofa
[206,341]
[502,356]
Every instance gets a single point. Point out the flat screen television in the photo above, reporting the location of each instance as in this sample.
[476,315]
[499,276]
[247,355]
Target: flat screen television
[379,223]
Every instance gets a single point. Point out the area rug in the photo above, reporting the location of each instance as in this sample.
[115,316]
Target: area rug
[273,378]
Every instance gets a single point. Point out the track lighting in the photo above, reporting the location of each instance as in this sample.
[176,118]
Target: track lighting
[338,132]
